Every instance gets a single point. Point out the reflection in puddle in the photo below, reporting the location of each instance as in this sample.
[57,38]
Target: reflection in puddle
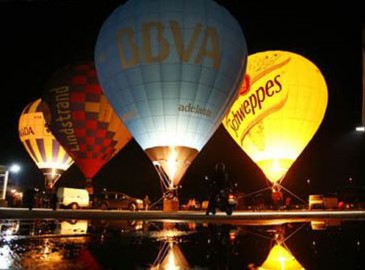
[280,257]
[123,244]
[170,256]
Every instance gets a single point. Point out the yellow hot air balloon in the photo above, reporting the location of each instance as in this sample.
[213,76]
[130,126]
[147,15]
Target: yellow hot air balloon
[42,146]
[280,258]
[280,106]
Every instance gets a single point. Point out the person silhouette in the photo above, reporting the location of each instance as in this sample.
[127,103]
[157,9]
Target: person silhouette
[146,202]
[54,201]
[29,198]
[216,182]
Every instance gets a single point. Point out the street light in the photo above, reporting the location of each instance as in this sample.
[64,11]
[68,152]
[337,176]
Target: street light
[360,128]
[4,172]
[15,168]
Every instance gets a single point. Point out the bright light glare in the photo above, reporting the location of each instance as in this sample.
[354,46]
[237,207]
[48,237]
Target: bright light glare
[6,257]
[15,168]
[172,165]
[171,261]
[362,129]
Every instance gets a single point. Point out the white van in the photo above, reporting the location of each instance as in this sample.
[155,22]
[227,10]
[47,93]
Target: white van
[73,198]
[72,227]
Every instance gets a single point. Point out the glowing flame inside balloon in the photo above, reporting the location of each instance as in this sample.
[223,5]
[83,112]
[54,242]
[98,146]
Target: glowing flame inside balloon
[277,114]
[172,164]
[171,261]
[170,257]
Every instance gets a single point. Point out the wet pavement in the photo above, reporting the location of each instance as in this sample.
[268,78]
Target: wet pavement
[97,244]
[178,215]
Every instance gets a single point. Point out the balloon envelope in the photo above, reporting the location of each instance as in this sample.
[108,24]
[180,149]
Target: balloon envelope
[47,153]
[280,258]
[82,119]
[170,256]
[170,70]
[279,109]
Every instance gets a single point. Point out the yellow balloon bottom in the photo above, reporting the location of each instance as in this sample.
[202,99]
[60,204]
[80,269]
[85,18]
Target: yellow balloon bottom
[275,169]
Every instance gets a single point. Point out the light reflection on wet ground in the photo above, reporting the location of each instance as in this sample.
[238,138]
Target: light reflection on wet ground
[122,244]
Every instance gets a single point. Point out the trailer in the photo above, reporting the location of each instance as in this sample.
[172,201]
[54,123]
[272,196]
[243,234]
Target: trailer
[319,201]
[73,198]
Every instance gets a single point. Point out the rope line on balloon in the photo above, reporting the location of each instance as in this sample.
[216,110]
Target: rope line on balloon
[298,229]
[163,251]
[277,186]
[156,202]
[294,195]
[168,190]
[165,182]
[255,192]
[258,234]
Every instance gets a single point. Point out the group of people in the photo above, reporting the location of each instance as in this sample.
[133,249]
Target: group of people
[32,199]
[216,182]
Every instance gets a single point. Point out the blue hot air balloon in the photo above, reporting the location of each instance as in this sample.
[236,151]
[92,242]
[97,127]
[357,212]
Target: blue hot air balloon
[170,70]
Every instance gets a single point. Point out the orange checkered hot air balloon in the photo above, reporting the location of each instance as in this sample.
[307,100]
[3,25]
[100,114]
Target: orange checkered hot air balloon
[82,120]
[47,153]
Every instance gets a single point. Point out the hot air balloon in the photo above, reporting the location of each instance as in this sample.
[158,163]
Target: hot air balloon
[280,106]
[170,256]
[171,69]
[281,258]
[47,153]
[82,119]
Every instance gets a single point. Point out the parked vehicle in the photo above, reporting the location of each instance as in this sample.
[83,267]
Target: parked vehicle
[71,227]
[73,198]
[319,201]
[117,200]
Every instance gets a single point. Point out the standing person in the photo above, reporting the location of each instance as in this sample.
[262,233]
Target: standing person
[54,200]
[217,182]
[288,203]
[146,202]
[277,196]
[28,198]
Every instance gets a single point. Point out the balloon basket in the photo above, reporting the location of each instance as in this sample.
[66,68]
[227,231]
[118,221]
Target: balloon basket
[170,205]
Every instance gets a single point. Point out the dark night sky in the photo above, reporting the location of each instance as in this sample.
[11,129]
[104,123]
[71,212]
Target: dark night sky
[38,37]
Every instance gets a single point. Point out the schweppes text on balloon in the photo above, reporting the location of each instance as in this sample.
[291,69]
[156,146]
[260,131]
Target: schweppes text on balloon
[203,43]
[265,97]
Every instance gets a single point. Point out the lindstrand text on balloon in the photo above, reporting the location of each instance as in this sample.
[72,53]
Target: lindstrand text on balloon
[63,116]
